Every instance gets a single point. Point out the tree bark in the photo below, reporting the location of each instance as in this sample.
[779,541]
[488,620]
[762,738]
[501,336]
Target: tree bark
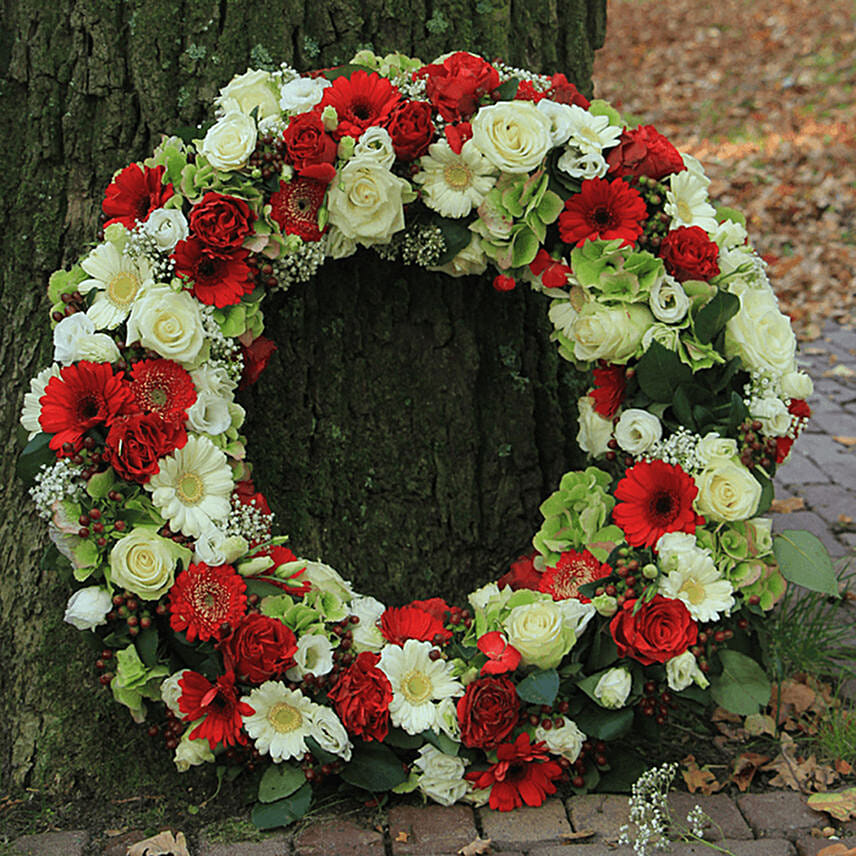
[409,425]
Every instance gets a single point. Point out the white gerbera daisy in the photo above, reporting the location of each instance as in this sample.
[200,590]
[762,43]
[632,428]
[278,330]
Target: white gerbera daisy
[453,185]
[282,720]
[590,133]
[686,202]
[417,683]
[193,487]
[118,278]
[32,409]
[700,586]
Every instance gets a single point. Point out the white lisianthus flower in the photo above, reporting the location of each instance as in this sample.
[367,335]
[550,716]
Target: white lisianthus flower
[367,635]
[693,166]
[611,333]
[683,670]
[166,227]
[302,94]
[687,204]
[144,563]
[637,431]
[97,348]
[513,135]
[375,144]
[666,335]
[470,261]
[729,234]
[191,753]
[797,385]
[366,202]
[314,655]
[210,413]
[88,607]
[337,245]
[595,431]
[583,165]
[119,281]
[565,740]
[454,184]
[760,334]
[676,548]
[170,691]
[561,120]
[668,300]
[321,576]
[590,133]
[441,776]
[763,527]
[540,633]
[489,594]
[699,586]
[193,487]
[418,683]
[563,315]
[714,448]
[727,491]
[32,408]
[447,719]
[66,335]
[214,547]
[282,721]
[772,414]
[167,322]
[329,733]
[254,88]
[613,688]
[230,141]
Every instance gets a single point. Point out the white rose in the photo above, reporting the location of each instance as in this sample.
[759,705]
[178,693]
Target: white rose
[683,670]
[560,118]
[595,430]
[727,491]
[772,414]
[513,135]
[170,691]
[664,334]
[253,88]
[166,227]
[760,334]
[611,333]
[97,348]
[367,635]
[167,322]
[375,144]
[66,335]
[470,261]
[191,753]
[637,431]
[230,141]
[302,94]
[538,631]
[144,563]
[366,202]
[797,385]
[668,300]
[441,776]
[613,688]
[314,655]
[328,731]
[88,607]
[566,740]
[714,448]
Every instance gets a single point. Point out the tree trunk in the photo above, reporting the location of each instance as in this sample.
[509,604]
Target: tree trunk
[409,425]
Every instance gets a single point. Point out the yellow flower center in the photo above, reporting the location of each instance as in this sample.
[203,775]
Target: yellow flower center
[122,288]
[694,590]
[457,175]
[685,212]
[284,718]
[416,687]
[190,488]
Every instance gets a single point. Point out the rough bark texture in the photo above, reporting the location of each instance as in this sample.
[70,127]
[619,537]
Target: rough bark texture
[409,425]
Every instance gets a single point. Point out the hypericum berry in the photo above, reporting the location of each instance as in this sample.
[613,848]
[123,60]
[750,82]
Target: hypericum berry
[578,782]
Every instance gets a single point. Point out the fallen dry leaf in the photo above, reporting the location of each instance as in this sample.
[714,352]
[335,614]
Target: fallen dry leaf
[579,836]
[744,768]
[843,518]
[840,371]
[786,506]
[837,850]
[162,844]
[402,836]
[797,773]
[845,441]
[844,768]
[475,848]
[841,805]
[757,724]
[699,779]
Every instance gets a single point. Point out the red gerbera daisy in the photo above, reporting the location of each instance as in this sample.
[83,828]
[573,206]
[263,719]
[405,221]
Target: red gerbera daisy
[610,385]
[217,280]
[361,100]
[205,598]
[218,703]
[522,774]
[295,207]
[656,498]
[163,387]
[134,193]
[571,571]
[400,623]
[85,395]
[603,210]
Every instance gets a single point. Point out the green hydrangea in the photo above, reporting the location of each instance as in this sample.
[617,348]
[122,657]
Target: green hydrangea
[615,273]
[134,681]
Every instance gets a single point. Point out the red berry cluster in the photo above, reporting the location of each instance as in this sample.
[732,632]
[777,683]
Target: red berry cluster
[655,703]
[269,156]
[657,224]
[73,303]
[126,608]
[755,449]
[591,752]
[628,584]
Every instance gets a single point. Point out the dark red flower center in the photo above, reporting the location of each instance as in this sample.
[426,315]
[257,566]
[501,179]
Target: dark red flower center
[89,407]
[663,505]
[602,216]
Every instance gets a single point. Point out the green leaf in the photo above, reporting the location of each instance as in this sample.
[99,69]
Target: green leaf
[320,754]
[507,90]
[35,453]
[401,739]
[374,767]
[147,646]
[280,781]
[624,772]
[442,742]
[605,724]
[456,236]
[660,372]
[742,687]
[715,315]
[262,588]
[282,812]
[766,499]
[804,560]
[540,687]
[604,652]
[524,247]
[346,70]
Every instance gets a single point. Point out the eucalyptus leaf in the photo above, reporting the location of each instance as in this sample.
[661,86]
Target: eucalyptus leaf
[540,687]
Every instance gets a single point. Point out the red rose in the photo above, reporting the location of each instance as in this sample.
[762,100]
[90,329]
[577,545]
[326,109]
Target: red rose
[261,648]
[361,697]
[644,151]
[311,150]
[221,223]
[411,130]
[135,442]
[610,387]
[488,712]
[256,357]
[688,253]
[456,86]
[660,630]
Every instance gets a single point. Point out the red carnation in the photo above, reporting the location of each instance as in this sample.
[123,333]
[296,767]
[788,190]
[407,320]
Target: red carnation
[656,498]
[603,210]
[295,207]
[361,100]
[310,149]
[204,598]
[84,396]
[411,130]
[134,193]
[553,273]
[573,570]
[245,493]
[456,85]
[564,92]
[219,705]
[435,606]
[610,386]
[688,253]
[501,657]
[256,357]
[457,135]
[221,223]
[644,151]
[136,442]
[488,712]
[362,696]
[261,648]
[400,623]
[523,773]
[800,413]
[522,574]
[656,632]
[214,280]
[163,387]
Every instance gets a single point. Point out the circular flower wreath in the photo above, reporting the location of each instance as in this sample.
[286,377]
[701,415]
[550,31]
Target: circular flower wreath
[652,570]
